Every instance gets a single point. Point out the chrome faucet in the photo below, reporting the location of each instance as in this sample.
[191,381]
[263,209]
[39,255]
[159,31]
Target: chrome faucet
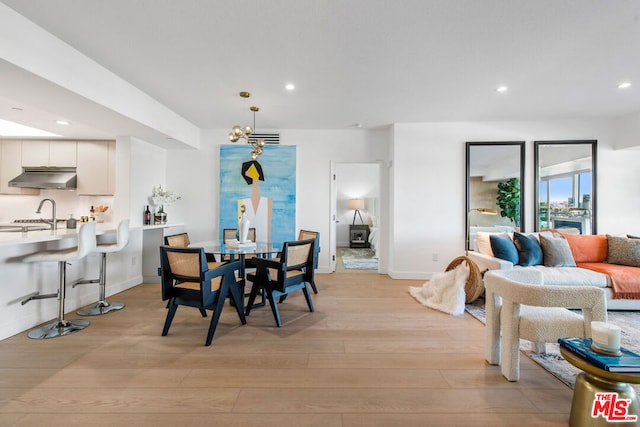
[54,222]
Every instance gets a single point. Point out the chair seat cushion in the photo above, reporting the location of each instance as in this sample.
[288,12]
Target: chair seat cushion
[547,324]
[292,273]
[61,255]
[215,284]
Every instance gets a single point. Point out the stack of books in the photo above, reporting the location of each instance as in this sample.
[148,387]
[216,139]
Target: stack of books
[627,362]
[235,244]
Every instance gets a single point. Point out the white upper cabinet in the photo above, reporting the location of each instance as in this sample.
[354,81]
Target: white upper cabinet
[49,153]
[96,167]
[10,167]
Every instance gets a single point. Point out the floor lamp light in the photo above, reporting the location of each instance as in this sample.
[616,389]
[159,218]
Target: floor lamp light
[356,204]
[484,211]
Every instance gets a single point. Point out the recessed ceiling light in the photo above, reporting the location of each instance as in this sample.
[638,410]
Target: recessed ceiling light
[624,85]
[8,128]
[502,89]
[63,122]
[16,108]
[289,86]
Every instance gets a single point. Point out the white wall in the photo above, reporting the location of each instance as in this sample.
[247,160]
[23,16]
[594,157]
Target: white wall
[428,179]
[194,174]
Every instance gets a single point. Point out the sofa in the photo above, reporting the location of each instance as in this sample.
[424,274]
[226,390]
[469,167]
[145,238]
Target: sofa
[605,261]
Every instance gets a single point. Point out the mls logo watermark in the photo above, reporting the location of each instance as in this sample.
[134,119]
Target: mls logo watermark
[611,408]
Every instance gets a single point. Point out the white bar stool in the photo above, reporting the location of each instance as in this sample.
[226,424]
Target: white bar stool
[103,307]
[86,245]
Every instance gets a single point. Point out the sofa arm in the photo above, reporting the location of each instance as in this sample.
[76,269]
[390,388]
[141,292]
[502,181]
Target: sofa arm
[487,262]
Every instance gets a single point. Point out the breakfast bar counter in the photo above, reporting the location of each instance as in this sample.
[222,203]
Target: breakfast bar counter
[39,236]
[125,270]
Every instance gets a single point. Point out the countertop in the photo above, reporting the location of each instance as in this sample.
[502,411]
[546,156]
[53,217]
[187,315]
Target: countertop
[16,238]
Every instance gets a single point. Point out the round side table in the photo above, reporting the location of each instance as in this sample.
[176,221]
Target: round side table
[595,380]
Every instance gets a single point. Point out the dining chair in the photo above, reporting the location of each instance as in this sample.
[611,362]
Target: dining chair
[181,240]
[187,280]
[279,278]
[304,235]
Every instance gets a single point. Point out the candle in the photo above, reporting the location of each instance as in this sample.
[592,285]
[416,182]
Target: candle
[606,336]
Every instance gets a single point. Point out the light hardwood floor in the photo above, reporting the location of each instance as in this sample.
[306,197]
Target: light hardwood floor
[369,356]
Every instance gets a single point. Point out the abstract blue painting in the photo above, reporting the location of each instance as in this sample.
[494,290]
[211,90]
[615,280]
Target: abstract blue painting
[267,190]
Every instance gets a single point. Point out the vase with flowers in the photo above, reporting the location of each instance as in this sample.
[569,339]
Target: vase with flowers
[161,198]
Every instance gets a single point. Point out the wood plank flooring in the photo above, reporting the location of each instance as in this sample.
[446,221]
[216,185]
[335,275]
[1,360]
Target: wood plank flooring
[369,356]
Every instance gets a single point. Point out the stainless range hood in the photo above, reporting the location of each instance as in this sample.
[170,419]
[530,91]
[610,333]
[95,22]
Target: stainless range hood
[46,177]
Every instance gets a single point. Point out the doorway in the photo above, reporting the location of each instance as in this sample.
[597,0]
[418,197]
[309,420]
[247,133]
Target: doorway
[355,191]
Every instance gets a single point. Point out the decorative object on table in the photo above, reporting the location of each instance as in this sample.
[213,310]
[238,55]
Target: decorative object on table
[474,286]
[99,213]
[356,204]
[71,222]
[245,132]
[444,291]
[625,361]
[606,338]
[243,224]
[161,216]
[484,211]
[160,198]
[147,216]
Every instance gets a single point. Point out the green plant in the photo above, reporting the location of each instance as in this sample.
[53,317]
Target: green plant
[509,200]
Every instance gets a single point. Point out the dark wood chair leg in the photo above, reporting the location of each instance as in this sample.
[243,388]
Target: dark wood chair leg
[274,307]
[307,296]
[252,298]
[173,307]
[217,312]
[237,300]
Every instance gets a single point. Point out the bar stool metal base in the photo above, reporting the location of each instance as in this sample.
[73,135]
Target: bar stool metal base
[102,307]
[58,329]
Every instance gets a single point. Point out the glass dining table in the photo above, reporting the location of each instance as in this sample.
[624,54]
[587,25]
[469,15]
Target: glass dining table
[221,251]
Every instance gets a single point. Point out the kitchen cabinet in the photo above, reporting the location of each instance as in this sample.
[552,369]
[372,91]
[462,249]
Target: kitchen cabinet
[10,167]
[49,153]
[96,167]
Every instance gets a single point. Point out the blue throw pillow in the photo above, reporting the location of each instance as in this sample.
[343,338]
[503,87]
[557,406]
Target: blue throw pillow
[504,248]
[529,250]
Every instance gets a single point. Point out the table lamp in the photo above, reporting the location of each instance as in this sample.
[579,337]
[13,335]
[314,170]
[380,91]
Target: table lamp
[356,204]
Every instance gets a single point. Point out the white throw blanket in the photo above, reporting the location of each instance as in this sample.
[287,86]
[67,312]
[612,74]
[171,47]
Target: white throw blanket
[445,291]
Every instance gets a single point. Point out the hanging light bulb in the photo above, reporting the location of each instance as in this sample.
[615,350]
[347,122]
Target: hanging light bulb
[245,132]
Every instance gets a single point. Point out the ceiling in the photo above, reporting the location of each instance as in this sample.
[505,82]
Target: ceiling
[357,62]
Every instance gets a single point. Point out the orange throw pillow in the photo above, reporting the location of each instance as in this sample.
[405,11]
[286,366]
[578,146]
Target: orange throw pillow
[588,248]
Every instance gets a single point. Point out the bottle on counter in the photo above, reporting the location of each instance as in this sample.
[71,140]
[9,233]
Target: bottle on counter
[71,222]
[147,216]
[92,214]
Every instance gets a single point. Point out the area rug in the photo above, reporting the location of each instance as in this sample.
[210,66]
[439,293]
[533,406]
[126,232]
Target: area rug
[359,259]
[553,362]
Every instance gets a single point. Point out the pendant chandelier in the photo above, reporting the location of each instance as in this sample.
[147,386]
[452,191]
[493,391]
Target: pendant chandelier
[244,132]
